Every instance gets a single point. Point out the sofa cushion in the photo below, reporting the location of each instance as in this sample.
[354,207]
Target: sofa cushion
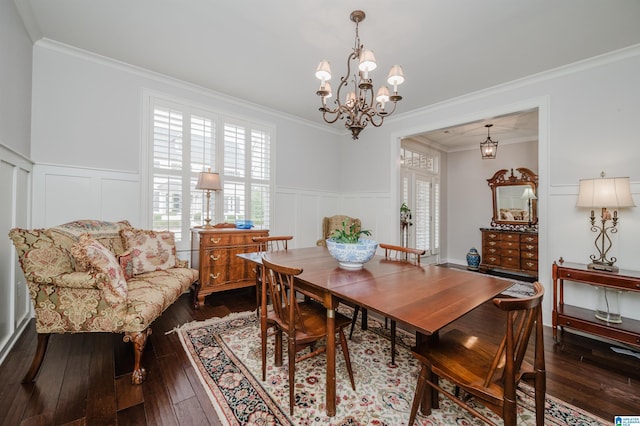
[106,233]
[101,260]
[152,292]
[150,250]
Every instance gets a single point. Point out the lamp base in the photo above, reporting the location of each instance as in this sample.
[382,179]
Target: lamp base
[609,317]
[603,267]
[608,305]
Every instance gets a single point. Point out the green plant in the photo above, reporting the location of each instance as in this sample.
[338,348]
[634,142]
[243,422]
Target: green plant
[348,235]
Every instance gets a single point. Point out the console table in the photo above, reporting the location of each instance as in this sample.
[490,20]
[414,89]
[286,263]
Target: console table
[584,319]
[213,254]
[514,251]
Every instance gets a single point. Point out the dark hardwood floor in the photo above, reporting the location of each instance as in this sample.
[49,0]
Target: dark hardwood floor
[86,378]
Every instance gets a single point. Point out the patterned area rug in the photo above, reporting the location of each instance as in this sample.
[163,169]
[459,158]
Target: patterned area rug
[226,354]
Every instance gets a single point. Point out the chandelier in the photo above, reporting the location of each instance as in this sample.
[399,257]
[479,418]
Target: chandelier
[488,148]
[360,107]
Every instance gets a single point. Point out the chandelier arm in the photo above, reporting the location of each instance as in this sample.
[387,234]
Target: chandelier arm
[386,112]
[326,113]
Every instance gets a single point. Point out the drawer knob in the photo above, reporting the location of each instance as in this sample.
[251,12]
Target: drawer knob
[215,240]
[530,247]
[214,258]
[568,274]
[530,254]
[568,322]
[214,277]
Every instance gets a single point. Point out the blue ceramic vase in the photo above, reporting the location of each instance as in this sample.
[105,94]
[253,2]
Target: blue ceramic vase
[473,260]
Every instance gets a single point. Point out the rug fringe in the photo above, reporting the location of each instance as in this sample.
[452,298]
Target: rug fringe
[211,321]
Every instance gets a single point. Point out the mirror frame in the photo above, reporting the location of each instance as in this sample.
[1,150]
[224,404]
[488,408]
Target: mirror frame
[499,180]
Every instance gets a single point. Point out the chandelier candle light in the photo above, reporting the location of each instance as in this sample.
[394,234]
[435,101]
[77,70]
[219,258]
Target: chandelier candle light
[360,107]
[208,181]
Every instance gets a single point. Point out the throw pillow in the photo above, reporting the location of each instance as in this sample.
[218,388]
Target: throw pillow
[126,263]
[99,259]
[150,250]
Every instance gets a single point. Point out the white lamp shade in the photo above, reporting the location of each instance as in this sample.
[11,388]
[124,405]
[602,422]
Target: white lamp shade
[528,194]
[383,95]
[209,181]
[367,61]
[323,72]
[605,192]
[396,76]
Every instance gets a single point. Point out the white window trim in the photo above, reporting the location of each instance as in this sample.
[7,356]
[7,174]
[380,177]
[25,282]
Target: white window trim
[146,166]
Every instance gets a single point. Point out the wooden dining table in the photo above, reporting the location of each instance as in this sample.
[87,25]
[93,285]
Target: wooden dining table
[425,298]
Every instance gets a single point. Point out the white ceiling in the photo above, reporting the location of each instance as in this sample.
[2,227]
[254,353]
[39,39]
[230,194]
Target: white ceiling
[266,52]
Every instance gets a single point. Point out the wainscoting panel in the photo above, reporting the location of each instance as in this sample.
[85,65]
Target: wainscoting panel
[15,193]
[64,194]
[374,209]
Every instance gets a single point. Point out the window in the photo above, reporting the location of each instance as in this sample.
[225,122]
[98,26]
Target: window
[183,141]
[420,189]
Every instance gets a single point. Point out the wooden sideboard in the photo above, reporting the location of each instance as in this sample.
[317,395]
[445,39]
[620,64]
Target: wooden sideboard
[213,253]
[510,251]
[628,331]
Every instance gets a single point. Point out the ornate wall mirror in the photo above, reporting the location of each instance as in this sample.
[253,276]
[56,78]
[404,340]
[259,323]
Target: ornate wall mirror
[514,199]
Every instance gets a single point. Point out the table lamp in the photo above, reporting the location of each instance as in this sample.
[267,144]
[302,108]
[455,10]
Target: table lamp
[604,193]
[208,181]
[529,195]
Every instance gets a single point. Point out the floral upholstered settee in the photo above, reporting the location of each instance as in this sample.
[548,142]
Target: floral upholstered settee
[95,276]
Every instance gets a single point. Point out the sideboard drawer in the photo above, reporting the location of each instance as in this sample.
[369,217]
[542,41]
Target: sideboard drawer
[510,262]
[599,278]
[510,245]
[492,260]
[510,237]
[529,265]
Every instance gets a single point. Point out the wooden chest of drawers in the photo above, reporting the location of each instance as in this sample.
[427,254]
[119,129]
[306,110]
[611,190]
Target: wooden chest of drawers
[213,253]
[514,251]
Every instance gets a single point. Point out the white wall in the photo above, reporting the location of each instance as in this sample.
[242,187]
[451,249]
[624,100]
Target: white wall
[587,123]
[15,80]
[15,168]
[88,113]
[468,174]
[87,140]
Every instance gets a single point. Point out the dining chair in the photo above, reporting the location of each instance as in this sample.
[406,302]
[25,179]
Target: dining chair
[268,245]
[486,371]
[304,322]
[393,253]
[333,223]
